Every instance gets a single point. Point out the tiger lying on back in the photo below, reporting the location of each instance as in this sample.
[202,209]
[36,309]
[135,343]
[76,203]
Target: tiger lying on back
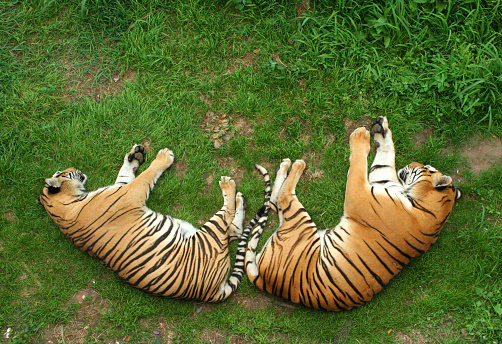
[153,252]
[385,224]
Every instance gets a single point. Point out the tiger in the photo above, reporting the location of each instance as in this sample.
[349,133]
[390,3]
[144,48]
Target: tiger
[388,219]
[156,253]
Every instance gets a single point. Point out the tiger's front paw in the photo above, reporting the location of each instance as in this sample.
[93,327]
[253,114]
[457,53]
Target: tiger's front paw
[138,153]
[166,156]
[360,140]
[380,131]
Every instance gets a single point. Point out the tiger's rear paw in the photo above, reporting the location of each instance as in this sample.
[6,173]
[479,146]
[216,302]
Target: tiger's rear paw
[380,131]
[237,225]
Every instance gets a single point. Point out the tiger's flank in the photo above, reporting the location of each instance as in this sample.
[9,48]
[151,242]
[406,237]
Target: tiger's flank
[389,218]
[156,253]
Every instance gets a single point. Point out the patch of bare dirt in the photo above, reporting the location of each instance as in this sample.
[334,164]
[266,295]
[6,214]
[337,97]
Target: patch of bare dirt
[10,216]
[80,86]
[92,308]
[254,303]
[243,127]
[249,59]
[482,153]
[302,7]
[201,308]
[422,136]
[181,168]
[159,328]
[444,333]
[221,337]
[414,337]
[351,124]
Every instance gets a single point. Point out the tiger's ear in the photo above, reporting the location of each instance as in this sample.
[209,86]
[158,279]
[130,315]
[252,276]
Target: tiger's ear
[458,193]
[53,184]
[442,181]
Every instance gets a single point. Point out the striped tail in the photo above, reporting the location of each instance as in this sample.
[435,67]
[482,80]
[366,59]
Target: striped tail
[259,225]
[260,218]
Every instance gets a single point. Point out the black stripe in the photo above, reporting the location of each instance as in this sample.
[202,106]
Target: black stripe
[376,167]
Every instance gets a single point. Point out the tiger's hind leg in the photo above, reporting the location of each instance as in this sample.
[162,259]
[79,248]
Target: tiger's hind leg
[280,177]
[140,187]
[293,214]
[132,161]
[220,223]
[383,169]
[237,225]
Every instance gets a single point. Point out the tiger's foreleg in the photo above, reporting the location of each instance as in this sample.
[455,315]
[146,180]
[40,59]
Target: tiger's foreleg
[140,188]
[383,168]
[132,161]
[357,178]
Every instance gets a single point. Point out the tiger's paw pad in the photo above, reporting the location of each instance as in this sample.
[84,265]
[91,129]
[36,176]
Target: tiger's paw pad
[165,155]
[379,130]
[227,186]
[137,153]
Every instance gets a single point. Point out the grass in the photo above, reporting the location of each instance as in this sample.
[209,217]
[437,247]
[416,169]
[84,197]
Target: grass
[81,81]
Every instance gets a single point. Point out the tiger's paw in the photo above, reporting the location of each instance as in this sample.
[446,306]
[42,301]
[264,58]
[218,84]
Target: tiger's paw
[166,156]
[280,177]
[227,186]
[136,157]
[380,131]
[360,140]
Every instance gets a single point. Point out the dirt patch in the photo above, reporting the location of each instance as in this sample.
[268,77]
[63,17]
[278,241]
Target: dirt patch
[422,136]
[83,85]
[253,303]
[158,328]
[249,59]
[243,127]
[351,124]
[414,337]
[10,216]
[221,337]
[482,153]
[442,333]
[201,308]
[303,7]
[181,168]
[92,307]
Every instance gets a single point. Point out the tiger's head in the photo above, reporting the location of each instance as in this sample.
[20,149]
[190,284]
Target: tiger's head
[69,182]
[424,181]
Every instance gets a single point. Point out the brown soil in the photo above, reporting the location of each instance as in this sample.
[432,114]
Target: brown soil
[482,153]
[92,308]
